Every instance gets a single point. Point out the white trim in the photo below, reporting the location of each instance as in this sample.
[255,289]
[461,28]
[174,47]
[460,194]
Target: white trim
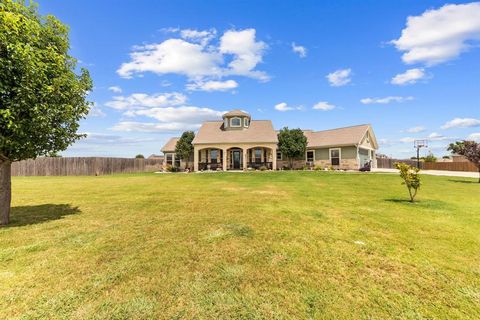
[245,124]
[235,126]
[339,155]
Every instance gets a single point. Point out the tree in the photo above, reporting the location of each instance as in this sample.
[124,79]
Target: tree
[468,149]
[292,143]
[139,156]
[430,158]
[410,177]
[184,147]
[42,98]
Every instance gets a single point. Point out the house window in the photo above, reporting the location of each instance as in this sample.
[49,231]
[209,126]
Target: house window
[213,156]
[169,158]
[258,155]
[310,156]
[279,155]
[246,122]
[177,162]
[235,122]
[335,157]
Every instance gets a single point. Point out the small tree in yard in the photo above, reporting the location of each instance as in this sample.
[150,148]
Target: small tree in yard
[42,99]
[184,147]
[410,177]
[292,143]
[139,156]
[468,149]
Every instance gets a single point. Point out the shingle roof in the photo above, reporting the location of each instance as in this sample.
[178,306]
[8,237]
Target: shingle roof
[258,131]
[236,112]
[170,145]
[336,137]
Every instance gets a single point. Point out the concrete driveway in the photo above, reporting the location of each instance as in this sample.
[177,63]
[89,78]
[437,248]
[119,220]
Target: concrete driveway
[434,172]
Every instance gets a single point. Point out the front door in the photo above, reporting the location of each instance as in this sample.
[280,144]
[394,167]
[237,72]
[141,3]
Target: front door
[236,159]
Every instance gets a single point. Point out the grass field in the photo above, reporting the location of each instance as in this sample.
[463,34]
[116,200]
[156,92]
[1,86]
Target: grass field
[306,245]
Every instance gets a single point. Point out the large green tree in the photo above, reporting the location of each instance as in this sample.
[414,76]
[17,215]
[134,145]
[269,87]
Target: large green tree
[42,97]
[292,143]
[468,149]
[184,147]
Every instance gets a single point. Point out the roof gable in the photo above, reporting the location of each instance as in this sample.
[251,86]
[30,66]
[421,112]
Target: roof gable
[259,131]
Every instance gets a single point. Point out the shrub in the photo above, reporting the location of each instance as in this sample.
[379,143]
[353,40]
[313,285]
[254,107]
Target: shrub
[331,168]
[263,168]
[410,177]
[139,156]
[318,168]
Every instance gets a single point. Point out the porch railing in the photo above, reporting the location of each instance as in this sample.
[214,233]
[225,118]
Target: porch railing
[210,166]
[258,165]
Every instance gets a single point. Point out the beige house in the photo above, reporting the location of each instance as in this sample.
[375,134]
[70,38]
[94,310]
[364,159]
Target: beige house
[240,143]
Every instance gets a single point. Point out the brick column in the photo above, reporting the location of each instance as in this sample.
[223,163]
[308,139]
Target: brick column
[224,159]
[195,159]
[274,158]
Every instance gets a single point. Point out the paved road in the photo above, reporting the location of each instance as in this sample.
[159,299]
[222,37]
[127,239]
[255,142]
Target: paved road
[435,172]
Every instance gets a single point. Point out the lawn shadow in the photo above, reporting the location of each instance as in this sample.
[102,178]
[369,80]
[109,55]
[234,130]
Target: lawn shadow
[428,203]
[26,215]
[463,181]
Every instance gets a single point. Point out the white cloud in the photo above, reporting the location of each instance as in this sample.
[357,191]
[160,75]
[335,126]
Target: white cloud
[300,50]
[115,89]
[407,140]
[95,111]
[440,35]
[132,126]
[434,136]
[109,139]
[282,106]
[212,85]
[202,37]
[173,56]
[474,137]
[237,53]
[324,106]
[410,76]
[417,129]
[340,77]
[246,51]
[183,114]
[385,100]
[142,100]
[462,123]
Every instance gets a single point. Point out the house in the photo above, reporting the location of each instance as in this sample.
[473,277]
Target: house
[237,143]
[155,157]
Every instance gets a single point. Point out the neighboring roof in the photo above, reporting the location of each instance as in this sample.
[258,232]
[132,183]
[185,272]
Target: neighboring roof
[259,131]
[155,156]
[236,113]
[339,137]
[170,145]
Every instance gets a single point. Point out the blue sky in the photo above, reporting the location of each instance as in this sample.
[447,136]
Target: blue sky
[411,69]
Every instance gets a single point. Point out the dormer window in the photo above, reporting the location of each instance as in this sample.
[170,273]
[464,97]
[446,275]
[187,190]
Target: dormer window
[246,122]
[235,122]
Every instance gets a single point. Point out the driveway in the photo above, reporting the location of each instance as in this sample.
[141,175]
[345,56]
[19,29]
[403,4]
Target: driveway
[434,172]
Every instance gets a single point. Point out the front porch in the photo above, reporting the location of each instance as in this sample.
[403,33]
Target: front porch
[235,158]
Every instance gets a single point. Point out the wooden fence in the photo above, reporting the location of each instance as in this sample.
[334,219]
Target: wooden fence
[388,163]
[448,166]
[83,166]
[451,166]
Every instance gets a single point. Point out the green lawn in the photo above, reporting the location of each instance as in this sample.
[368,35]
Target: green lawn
[247,246]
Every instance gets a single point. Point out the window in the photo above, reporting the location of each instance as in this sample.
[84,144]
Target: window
[169,158]
[213,156]
[335,157]
[279,155]
[310,156]
[177,162]
[258,155]
[225,123]
[235,122]
[246,122]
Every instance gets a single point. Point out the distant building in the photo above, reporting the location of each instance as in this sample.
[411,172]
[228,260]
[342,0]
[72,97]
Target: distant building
[155,157]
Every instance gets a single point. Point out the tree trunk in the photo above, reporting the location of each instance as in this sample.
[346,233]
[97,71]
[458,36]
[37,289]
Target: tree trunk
[5,191]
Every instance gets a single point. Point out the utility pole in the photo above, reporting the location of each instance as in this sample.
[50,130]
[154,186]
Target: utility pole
[418,144]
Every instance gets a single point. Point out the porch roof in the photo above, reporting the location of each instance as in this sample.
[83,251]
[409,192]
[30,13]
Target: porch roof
[259,131]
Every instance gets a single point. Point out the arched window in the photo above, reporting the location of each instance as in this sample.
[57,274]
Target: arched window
[235,122]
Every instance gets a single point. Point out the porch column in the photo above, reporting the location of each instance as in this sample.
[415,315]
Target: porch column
[245,158]
[195,159]
[224,159]
[274,158]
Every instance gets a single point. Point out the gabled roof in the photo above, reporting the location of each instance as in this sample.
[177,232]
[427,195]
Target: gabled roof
[170,145]
[236,113]
[339,137]
[259,131]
